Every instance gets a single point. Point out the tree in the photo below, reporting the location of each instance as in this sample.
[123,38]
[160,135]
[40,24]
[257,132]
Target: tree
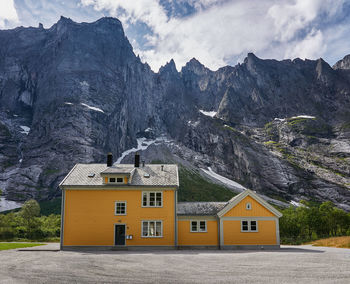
[29,212]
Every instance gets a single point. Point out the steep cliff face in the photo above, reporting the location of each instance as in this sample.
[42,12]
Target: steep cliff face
[74,92]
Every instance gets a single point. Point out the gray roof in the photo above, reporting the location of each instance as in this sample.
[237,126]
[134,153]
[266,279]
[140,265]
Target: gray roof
[200,208]
[79,175]
[119,169]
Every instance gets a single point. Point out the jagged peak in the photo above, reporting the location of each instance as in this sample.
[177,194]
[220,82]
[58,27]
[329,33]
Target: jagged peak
[169,67]
[194,63]
[343,63]
[65,20]
[194,66]
[108,20]
[251,58]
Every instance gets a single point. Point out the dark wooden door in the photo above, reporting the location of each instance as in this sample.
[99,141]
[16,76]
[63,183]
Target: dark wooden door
[119,235]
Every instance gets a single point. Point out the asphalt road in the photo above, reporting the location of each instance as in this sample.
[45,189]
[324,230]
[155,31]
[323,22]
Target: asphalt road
[291,264]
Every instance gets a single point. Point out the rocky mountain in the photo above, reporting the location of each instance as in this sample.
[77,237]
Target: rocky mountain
[75,91]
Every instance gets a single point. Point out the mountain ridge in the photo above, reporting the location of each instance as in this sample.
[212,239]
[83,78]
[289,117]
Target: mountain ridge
[83,92]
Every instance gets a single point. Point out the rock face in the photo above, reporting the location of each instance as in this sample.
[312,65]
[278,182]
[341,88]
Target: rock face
[74,92]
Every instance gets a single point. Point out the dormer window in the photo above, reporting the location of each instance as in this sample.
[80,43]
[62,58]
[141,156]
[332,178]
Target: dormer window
[116,180]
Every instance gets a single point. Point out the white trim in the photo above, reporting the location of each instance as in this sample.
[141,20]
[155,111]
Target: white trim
[63,208]
[221,232]
[198,226]
[249,225]
[237,199]
[115,224]
[148,199]
[115,208]
[277,232]
[250,217]
[197,217]
[61,183]
[152,237]
[248,206]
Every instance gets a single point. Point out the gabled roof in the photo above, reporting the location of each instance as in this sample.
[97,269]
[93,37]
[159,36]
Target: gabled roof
[119,169]
[199,208]
[238,198]
[150,175]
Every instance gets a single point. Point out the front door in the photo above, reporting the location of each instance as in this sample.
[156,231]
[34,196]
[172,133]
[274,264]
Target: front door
[119,235]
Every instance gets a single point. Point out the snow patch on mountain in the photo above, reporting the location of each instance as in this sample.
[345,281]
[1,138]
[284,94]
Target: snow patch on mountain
[235,185]
[25,129]
[8,205]
[142,144]
[92,108]
[208,113]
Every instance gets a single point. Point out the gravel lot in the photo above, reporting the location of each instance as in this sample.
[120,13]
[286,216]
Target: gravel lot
[291,264]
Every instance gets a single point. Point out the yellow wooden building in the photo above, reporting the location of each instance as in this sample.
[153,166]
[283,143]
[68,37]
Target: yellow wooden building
[106,206]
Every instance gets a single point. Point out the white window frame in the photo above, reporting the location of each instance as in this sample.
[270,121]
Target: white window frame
[249,226]
[115,208]
[198,226]
[148,227]
[148,199]
[248,206]
[116,180]
[109,180]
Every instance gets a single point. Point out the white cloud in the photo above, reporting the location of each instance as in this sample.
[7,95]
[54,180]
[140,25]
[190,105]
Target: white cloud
[8,14]
[223,30]
[312,46]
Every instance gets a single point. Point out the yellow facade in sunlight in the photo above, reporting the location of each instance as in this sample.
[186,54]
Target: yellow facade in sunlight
[90,217]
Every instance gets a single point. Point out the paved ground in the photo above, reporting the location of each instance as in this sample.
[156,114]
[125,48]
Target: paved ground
[292,264]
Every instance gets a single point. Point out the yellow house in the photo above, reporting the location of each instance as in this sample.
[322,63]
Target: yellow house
[135,206]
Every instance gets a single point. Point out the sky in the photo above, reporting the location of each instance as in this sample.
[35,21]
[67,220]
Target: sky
[216,32]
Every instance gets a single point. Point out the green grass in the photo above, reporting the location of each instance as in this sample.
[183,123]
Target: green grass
[193,187]
[48,172]
[6,246]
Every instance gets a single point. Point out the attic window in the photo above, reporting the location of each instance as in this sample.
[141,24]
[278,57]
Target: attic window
[248,206]
[91,175]
[146,175]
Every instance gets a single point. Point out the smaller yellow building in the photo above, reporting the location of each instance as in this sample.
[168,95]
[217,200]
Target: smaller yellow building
[127,206]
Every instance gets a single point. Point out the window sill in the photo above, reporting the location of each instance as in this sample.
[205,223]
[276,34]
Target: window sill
[155,237]
[198,231]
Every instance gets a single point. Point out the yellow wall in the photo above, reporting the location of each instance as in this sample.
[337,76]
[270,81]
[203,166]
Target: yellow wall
[266,234]
[185,237]
[89,217]
[257,209]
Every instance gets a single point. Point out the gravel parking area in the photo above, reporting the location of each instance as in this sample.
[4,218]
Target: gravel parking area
[291,264]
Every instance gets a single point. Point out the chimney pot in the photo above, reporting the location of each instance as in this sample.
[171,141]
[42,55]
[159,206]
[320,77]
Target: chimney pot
[143,163]
[137,160]
[109,159]
[162,167]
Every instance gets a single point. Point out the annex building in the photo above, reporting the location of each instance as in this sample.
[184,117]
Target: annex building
[130,206]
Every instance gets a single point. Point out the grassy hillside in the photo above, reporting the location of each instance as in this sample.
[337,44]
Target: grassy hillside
[338,242]
[193,187]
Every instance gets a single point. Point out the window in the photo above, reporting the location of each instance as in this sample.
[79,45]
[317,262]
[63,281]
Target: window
[248,206]
[119,179]
[152,199]
[198,226]
[152,229]
[120,208]
[111,179]
[249,226]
